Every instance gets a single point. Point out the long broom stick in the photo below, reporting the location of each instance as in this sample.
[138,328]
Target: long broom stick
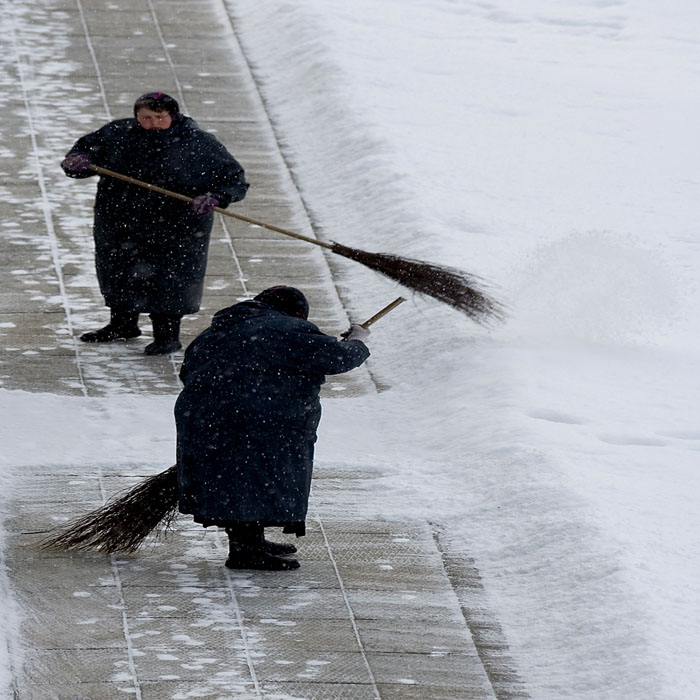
[447,284]
[122,524]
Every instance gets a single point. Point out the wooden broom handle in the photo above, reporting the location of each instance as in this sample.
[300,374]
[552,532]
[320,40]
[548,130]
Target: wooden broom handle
[383,312]
[225,212]
[241,217]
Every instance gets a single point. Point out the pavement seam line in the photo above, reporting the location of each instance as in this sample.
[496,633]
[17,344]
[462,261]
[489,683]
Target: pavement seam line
[46,207]
[122,601]
[168,57]
[241,626]
[234,255]
[103,93]
[351,613]
[93,56]
[11,613]
[181,97]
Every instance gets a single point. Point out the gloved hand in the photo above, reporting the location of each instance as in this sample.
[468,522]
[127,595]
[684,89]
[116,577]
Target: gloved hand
[204,204]
[76,162]
[355,332]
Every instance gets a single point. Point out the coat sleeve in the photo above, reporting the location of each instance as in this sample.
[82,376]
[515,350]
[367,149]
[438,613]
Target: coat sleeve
[228,183]
[90,145]
[96,145]
[307,349]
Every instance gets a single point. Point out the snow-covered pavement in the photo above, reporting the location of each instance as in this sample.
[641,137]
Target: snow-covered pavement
[548,146]
[380,609]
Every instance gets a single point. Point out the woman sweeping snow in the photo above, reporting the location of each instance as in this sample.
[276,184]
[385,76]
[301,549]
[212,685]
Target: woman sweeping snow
[151,250]
[247,418]
[123,524]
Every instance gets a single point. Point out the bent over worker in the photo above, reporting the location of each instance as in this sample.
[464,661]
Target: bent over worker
[151,249]
[247,418]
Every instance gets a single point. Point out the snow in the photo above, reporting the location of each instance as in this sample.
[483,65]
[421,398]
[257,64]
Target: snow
[550,148]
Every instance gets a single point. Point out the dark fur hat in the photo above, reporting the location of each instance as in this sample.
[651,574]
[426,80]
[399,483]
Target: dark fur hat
[287,299]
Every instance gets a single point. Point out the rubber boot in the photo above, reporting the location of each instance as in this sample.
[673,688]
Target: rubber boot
[122,326]
[247,550]
[166,335]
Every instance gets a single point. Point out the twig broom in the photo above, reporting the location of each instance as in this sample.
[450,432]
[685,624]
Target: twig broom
[447,284]
[123,523]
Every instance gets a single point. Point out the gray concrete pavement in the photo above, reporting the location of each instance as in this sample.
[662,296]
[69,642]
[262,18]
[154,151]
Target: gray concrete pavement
[379,610]
[371,613]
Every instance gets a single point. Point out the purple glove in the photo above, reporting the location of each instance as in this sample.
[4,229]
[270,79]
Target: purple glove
[204,204]
[76,162]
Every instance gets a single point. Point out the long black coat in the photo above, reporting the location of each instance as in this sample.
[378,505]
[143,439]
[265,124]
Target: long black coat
[247,416]
[151,249]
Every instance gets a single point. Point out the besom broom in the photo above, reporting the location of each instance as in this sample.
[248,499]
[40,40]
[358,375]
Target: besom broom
[124,522]
[449,285]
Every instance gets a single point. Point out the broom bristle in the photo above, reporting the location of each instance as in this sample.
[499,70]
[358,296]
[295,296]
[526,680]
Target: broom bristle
[447,284]
[125,521]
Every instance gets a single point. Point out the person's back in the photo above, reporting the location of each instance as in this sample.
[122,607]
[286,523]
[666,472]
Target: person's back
[264,360]
[247,418]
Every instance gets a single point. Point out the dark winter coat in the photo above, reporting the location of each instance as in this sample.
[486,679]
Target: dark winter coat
[248,413]
[151,249]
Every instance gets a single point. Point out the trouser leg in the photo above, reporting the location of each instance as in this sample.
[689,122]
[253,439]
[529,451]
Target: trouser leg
[165,327]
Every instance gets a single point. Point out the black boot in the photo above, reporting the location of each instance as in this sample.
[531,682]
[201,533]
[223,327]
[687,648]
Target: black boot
[247,550]
[279,549]
[122,326]
[166,335]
